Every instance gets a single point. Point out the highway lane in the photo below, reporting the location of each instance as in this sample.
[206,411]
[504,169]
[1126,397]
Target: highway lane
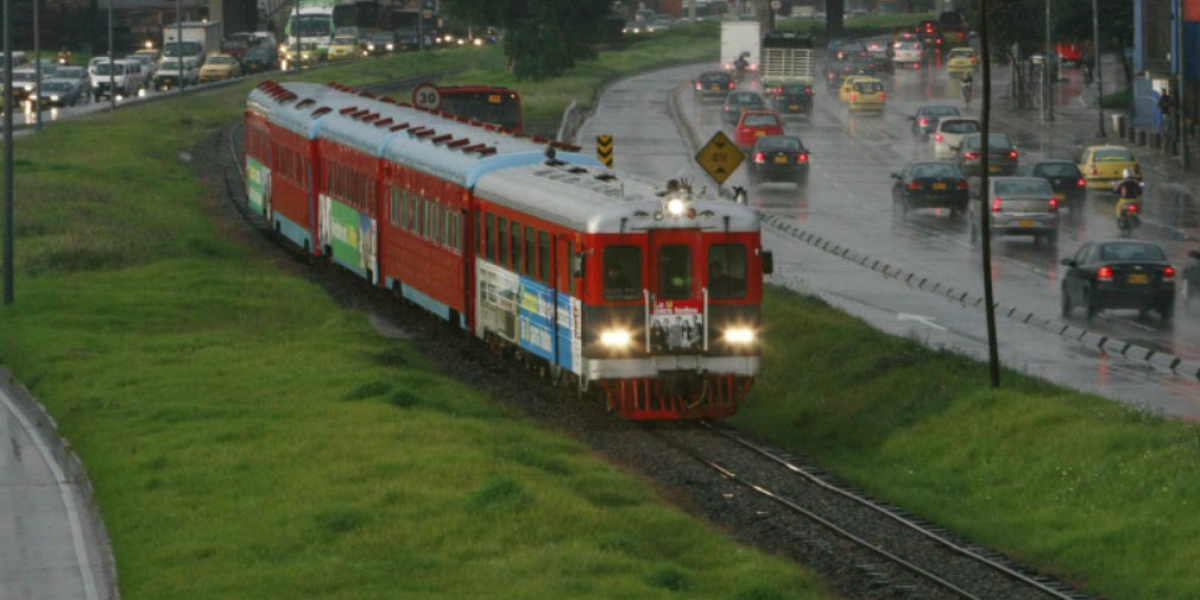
[847,201]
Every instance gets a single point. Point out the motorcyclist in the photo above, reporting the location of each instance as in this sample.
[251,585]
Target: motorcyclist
[967,83]
[1129,191]
[740,65]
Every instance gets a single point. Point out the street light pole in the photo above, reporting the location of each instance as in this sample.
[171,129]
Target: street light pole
[112,64]
[8,161]
[1099,71]
[1048,77]
[37,51]
[1181,85]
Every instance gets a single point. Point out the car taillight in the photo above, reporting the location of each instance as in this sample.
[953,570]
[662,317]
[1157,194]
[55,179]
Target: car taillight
[962,185]
[970,154]
[923,122]
[699,85]
[803,158]
[914,185]
[1104,273]
[1081,182]
[939,137]
[1012,154]
[808,89]
[1054,205]
[854,97]
[733,85]
[760,158]
[882,96]
[1095,171]
[997,204]
[1168,273]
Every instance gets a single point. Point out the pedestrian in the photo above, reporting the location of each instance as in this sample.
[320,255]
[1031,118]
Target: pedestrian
[1165,102]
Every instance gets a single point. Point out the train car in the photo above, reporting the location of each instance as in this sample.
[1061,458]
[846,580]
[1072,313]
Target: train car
[648,294]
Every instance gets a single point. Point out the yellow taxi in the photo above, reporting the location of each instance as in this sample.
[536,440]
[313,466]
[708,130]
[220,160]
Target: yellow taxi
[848,86]
[1102,165]
[866,93]
[961,60]
[298,58]
[219,67]
[343,47]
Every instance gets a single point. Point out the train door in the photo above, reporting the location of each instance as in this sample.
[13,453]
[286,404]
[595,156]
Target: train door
[568,340]
[676,304]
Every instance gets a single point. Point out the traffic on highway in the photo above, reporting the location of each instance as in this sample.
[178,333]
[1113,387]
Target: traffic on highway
[1145,356]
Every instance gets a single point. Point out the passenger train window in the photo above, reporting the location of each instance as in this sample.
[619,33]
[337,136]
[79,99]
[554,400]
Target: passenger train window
[674,272]
[543,257]
[489,237]
[622,273]
[727,271]
[502,236]
[514,246]
[530,252]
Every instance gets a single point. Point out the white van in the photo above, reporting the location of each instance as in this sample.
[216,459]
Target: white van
[123,76]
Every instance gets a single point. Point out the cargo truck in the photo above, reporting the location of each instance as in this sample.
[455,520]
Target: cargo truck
[740,38]
[787,69]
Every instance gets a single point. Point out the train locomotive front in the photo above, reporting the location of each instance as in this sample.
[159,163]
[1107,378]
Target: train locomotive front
[660,306]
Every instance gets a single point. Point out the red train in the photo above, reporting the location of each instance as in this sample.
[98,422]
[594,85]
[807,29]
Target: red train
[651,295]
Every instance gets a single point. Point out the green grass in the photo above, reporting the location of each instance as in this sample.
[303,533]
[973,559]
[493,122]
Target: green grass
[1097,492]
[248,438]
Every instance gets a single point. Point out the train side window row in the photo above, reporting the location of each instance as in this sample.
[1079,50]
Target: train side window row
[348,186]
[504,244]
[424,217]
[292,166]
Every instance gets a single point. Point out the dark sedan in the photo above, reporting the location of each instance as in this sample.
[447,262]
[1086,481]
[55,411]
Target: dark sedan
[851,64]
[930,184]
[1128,274]
[925,120]
[58,93]
[793,99]
[260,59]
[1065,179]
[714,84]
[1003,158]
[738,101]
[779,158]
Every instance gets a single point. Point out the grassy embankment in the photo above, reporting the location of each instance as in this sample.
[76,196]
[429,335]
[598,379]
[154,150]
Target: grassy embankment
[248,438]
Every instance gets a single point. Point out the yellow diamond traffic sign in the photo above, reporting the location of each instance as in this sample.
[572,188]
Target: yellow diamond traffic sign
[719,157]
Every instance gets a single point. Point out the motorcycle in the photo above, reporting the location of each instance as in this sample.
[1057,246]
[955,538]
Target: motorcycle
[1129,220]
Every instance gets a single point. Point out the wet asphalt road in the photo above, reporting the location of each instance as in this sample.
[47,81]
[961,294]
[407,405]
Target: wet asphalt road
[847,203]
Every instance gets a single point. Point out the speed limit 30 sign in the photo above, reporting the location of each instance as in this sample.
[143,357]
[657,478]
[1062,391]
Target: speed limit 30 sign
[427,96]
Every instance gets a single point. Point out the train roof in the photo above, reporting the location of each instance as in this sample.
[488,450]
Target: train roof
[451,148]
[601,201]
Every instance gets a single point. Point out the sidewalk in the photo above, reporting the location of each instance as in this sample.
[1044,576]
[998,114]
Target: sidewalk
[1172,199]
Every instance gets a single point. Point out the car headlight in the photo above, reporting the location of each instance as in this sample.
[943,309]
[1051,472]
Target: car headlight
[615,338]
[739,336]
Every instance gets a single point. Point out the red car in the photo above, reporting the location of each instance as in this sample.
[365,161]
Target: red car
[754,124]
[1069,52]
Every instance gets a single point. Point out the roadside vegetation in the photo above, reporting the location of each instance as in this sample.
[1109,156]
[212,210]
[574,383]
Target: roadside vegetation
[249,438]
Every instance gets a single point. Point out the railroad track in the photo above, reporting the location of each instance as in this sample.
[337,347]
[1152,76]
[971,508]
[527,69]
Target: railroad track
[891,553]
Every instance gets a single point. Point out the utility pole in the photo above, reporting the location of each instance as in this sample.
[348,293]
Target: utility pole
[1048,78]
[8,161]
[1099,71]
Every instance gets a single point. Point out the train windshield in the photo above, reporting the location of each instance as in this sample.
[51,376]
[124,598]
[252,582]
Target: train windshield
[727,271]
[674,272]
[622,273]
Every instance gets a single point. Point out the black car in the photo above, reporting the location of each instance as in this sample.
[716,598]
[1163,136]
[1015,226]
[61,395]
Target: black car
[793,99]
[737,101]
[58,93]
[1119,274]
[930,184]
[382,42]
[1003,158]
[925,120]
[1065,179]
[714,84]
[930,34]
[260,59]
[779,158]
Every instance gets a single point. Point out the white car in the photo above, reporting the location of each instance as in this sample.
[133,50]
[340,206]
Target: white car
[948,133]
[905,52]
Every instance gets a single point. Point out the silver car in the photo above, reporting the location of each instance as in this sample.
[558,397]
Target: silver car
[1017,206]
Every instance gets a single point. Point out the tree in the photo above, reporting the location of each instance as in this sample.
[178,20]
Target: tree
[542,38]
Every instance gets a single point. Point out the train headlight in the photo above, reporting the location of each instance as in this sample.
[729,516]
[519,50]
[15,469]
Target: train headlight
[739,336]
[676,206]
[615,338]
